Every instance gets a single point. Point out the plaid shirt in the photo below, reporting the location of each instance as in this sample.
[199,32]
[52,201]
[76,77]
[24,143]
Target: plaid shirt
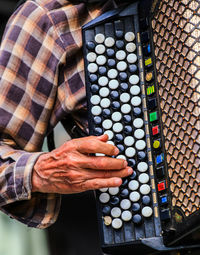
[41,81]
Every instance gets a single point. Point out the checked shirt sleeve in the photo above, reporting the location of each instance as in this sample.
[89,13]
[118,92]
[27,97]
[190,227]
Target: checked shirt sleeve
[29,60]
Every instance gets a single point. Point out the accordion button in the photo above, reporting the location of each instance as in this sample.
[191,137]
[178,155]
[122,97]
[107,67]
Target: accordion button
[98,131]
[134,79]
[124,86]
[124,182]
[160,172]
[107,124]
[145,189]
[131,58]
[130,152]
[152,103]
[110,52]
[134,196]
[90,45]
[114,200]
[141,155]
[140,145]
[126,215]
[110,134]
[153,116]
[102,70]
[165,214]
[155,130]
[121,66]
[96,110]
[138,123]
[117,127]
[124,97]
[113,84]
[120,55]
[161,186]
[125,204]
[132,68]
[147,50]
[129,141]
[104,198]
[111,62]
[123,76]
[92,68]
[107,220]
[137,219]
[129,36]
[97,120]
[124,193]
[99,38]
[104,92]
[130,47]
[109,42]
[147,211]
[103,189]
[125,108]
[101,60]
[128,130]
[136,207]
[103,81]
[163,200]
[117,223]
[100,49]
[145,37]
[116,212]
[105,103]
[159,159]
[135,90]
[142,167]
[95,100]
[143,178]
[134,174]
[106,210]
[116,116]
[91,57]
[113,191]
[112,73]
[136,101]
[127,119]
[146,200]
[93,78]
[121,157]
[119,34]
[149,76]
[148,62]
[156,144]
[120,147]
[120,44]
[137,112]
[119,138]
[106,113]
[133,185]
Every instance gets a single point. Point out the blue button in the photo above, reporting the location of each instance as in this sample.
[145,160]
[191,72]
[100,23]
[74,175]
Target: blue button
[159,159]
[163,200]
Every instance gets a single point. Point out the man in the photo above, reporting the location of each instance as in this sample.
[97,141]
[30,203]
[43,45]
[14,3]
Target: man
[42,82]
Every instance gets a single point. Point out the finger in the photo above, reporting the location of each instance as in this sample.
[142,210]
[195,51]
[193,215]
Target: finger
[95,145]
[100,183]
[103,138]
[102,163]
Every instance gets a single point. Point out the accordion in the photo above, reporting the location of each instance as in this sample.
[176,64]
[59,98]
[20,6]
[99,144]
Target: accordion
[142,70]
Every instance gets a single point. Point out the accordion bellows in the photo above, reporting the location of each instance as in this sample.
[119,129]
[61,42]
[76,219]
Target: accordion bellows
[176,29]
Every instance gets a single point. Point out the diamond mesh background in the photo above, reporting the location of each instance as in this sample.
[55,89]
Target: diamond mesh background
[176,29]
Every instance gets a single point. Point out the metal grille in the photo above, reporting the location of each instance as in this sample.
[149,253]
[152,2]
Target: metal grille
[176,29]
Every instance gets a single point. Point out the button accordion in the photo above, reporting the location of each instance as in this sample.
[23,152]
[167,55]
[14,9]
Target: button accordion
[142,80]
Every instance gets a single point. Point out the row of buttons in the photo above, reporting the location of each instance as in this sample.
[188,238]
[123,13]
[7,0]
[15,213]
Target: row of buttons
[155,126]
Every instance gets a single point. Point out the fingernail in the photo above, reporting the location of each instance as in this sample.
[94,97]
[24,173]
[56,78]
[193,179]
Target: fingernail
[118,182]
[130,170]
[125,164]
[116,151]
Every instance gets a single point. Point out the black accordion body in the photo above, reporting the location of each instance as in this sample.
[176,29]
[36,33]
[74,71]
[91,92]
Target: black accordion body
[142,69]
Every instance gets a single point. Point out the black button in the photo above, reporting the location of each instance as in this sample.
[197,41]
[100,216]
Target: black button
[119,137]
[137,112]
[165,214]
[124,193]
[147,50]
[160,172]
[115,105]
[137,219]
[144,23]
[124,182]
[98,131]
[152,103]
[106,210]
[119,34]
[124,86]
[97,120]
[141,155]
[146,200]
[134,174]
[114,94]
[145,37]
[132,68]
[106,113]
[127,119]
[120,44]
[94,88]
[102,70]
[120,147]
[110,52]
[123,76]
[93,78]
[111,62]
[128,130]
[91,45]
[136,207]
[114,200]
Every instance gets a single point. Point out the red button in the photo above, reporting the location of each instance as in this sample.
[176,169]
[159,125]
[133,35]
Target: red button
[161,186]
[155,130]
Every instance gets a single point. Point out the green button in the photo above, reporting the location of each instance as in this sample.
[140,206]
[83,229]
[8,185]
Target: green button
[150,90]
[153,116]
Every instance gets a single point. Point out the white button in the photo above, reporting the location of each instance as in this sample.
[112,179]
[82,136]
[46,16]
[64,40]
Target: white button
[109,133]
[110,142]
[138,123]
[103,81]
[95,99]
[134,79]
[139,133]
[124,97]
[136,101]
[112,73]
[109,42]
[99,154]
[113,191]
[134,196]
[142,167]
[147,211]
[113,84]
[140,145]
[125,204]
[99,38]
[117,127]
[135,90]
[131,58]
[126,215]
[103,189]
[130,47]
[96,110]
[115,212]
[125,108]
[120,55]
[116,116]
[107,124]
[121,66]
[117,223]
[143,178]
[91,57]
[104,198]
[129,36]
[130,152]
[92,67]
[101,60]
[105,103]
[129,141]
[104,92]
[100,49]
[145,189]
[133,185]
[121,157]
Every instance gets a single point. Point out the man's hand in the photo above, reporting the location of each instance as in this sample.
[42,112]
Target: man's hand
[72,169]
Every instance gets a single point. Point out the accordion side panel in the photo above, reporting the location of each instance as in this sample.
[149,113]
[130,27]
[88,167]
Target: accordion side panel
[176,35]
